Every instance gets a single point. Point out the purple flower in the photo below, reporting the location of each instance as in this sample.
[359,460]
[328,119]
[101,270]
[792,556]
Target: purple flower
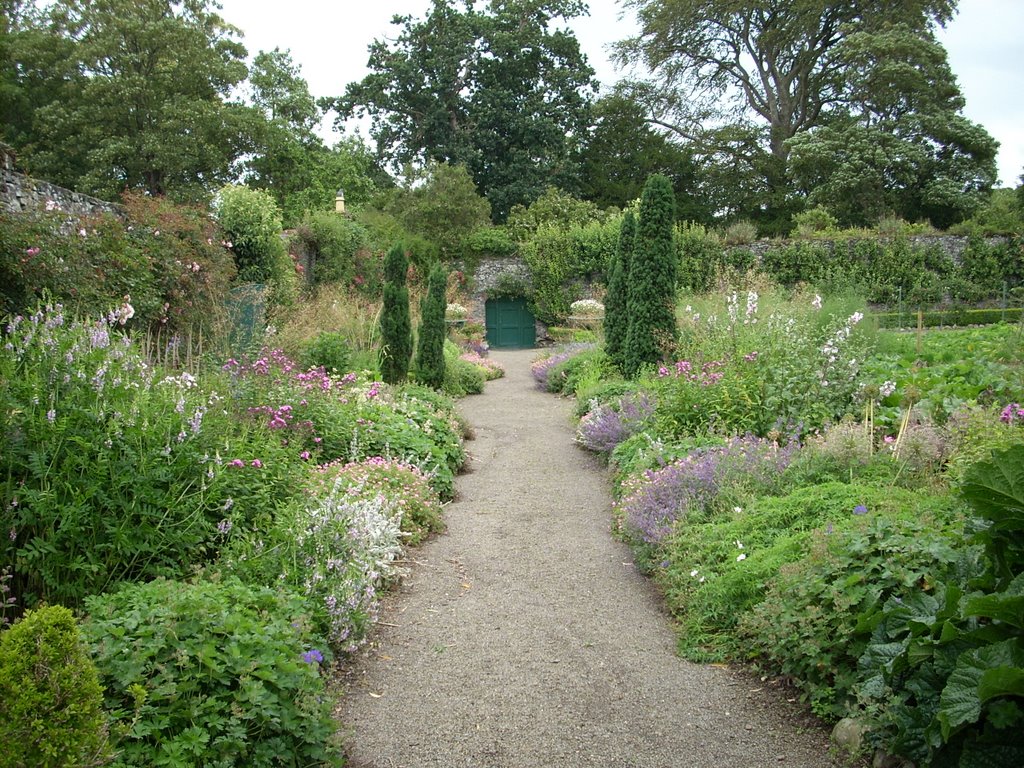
[313,656]
[860,509]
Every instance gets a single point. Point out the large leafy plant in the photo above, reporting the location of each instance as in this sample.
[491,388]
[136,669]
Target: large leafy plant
[949,667]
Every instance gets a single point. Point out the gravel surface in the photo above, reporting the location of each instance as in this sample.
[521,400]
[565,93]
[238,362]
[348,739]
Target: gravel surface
[524,636]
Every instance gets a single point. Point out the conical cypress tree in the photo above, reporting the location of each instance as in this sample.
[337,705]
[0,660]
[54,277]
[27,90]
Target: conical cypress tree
[616,310]
[430,346]
[652,279]
[395,324]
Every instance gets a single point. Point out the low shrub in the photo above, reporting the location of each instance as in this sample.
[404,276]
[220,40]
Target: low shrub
[581,371]
[210,674]
[491,369]
[603,393]
[696,485]
[942,673]
[816,618]
[717,568]
[606,425]
[402,485]
[542,367]
[51,703]
[327,350]
[461,377]
[109,471]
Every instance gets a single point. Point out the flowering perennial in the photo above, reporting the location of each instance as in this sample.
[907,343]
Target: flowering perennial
[606,425]
[653,501]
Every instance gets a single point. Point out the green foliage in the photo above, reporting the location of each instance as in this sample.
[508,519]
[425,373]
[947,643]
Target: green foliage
[822,103]
[700,254]
[556,208]
[441,205]
[110,472]
[814,221]
[510,116]
[1000,215]
[210,673]
[943,672]
[395,324]
[430,359]
[773,531]
[852,569]
[337,246]
[51,703]
[580,371]
[623,148]
[251,220]
[652,280]
[461,377]
[327,350]
[616,302]
[133,95]
[559,256]
[164,258]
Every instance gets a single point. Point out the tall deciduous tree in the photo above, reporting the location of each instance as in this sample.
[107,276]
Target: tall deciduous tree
[144,100]
[616,303]
[903,147]
[395,324]
[622,149]
[652,279]
[775,70]
[500,91]
[430,344]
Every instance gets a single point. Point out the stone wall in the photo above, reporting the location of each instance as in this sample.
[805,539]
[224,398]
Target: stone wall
[952,245]
[497,276]
[22,194]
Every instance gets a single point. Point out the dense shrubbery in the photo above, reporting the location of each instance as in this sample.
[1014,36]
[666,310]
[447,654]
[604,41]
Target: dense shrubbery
[210,673]
[792,492]
[339,250]
[168,259]
[114,472]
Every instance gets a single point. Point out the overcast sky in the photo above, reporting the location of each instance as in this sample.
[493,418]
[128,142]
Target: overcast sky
[328,39]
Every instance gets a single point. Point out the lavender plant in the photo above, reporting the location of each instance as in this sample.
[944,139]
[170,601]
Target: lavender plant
[608,424]
[542,366]
[703,481]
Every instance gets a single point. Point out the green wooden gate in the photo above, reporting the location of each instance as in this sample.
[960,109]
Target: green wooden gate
[510,324]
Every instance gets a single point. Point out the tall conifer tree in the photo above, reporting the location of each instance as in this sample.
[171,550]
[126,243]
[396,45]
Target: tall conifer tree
[430,345]
[652,279]
[395,324]
[616,310]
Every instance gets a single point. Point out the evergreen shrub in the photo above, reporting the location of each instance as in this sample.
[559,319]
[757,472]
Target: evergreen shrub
[430,344]
[395,323]
[652,279]
[51,703]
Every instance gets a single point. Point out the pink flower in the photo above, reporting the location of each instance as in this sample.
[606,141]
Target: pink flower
[32,251]
[304,455]
[256,463]
[236,463]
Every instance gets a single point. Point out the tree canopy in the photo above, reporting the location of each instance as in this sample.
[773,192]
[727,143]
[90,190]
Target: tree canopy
[131,94]
[502,91]
[746,83]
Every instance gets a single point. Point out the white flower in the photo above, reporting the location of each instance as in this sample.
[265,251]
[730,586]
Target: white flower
[693,573]
[741,558]
[739,544]
[737,510]
[586,308]
[816,303]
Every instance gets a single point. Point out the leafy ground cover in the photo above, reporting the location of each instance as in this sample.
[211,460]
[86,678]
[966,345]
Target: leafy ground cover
[222,536]
[838,504]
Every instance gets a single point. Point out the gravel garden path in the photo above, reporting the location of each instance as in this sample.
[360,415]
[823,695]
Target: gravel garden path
[525,637]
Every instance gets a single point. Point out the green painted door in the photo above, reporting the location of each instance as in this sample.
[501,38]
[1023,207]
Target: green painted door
[510,324]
